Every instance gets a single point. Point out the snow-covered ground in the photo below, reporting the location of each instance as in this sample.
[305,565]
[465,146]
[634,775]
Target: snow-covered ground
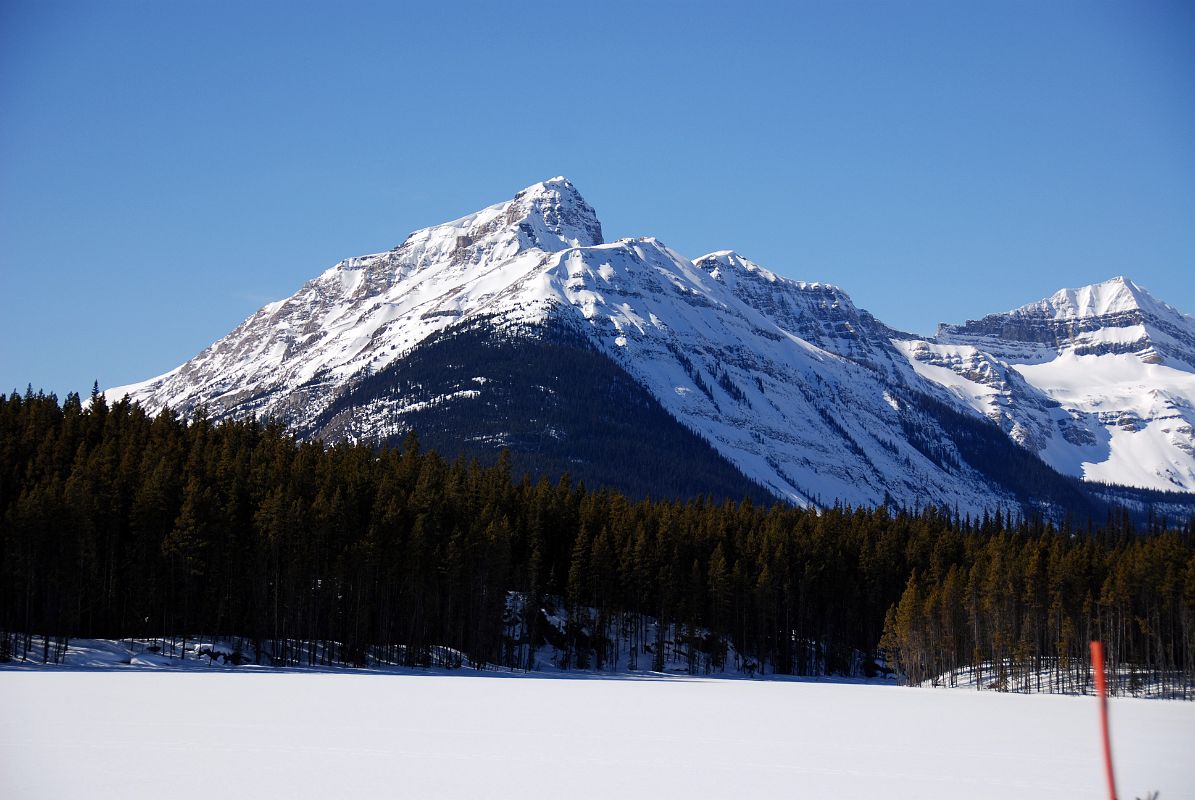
[136,733]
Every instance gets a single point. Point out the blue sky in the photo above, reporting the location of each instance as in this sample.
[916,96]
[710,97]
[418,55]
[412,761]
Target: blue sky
[168,168]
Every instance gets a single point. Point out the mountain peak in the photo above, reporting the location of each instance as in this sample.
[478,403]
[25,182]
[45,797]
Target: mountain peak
[1116,316]
[550,215]
[557,184]
[1114,296]
[555,212]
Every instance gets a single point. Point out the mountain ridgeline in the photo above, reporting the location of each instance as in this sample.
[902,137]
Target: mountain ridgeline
[625,364]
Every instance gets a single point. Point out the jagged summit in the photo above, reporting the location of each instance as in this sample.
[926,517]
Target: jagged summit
[554,211]
[550,216]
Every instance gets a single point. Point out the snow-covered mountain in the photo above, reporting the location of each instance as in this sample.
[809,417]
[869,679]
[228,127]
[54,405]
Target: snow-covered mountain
[289,358]
[519,327]
[1098,381]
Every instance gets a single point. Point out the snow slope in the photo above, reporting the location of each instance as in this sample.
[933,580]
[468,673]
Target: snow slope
[193,735]
[800,390]
[802,419]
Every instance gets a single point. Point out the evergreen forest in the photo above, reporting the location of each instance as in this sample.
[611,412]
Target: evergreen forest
[116,524]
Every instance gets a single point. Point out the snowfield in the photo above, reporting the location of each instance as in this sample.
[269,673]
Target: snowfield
[100,734]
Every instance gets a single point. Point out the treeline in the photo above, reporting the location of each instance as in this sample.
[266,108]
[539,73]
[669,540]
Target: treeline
[114,524]
[1016,611]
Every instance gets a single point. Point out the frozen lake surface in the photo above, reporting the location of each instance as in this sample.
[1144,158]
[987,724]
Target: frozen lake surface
[202,735]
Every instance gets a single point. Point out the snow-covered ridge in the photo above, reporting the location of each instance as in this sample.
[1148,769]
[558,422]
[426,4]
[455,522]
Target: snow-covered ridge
[1114,296]
[790,381]
[1116,316]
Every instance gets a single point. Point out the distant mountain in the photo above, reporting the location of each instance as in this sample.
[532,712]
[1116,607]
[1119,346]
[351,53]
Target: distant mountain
[626,364]
[1097,381]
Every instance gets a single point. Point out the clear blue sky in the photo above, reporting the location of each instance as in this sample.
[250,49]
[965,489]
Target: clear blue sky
[168,168]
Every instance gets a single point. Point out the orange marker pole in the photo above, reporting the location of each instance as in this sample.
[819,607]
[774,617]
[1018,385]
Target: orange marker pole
[1101,690]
